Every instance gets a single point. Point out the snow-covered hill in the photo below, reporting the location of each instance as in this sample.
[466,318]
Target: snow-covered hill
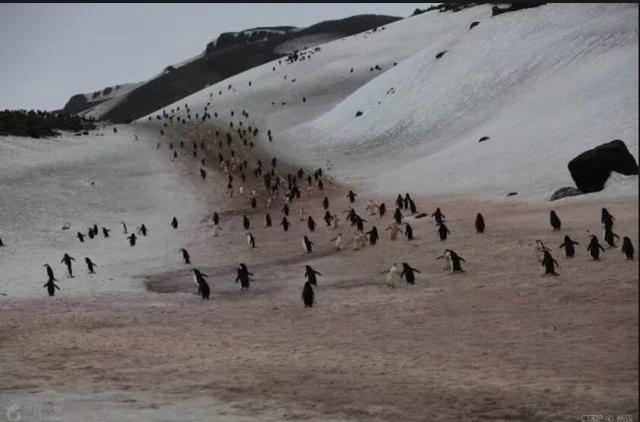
[544,84]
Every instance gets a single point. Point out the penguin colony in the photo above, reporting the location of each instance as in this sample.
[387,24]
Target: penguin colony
[276,187]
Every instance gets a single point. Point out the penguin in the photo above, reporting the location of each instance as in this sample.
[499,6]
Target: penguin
[311,224]
[606,219]
[307,295]
[203,172]
[359,223]
[175,154]
[2,244]
[50,272]
[245,222]
[174,223]
[310,274]
[51,287]
[90,265]
[409,273]
[549,263]
[453,260]
[285,224]
[203,287]
[443,231]
[338,242]
[243,276]
[439,216]
[382,210]
[397,215]
[569,250]
[66,259]
[105,232]
[95,230]
[185,256]
[594,248]
[328,218]
[90,233]
[393,276]
[132,239]
[540,249]
[395,230]
[285,210]
[251,240]
[124,227]
[320,185]
[407,198]
[554,220]
[325,202]
[408,231]
[254,203]
[610,236]
[216,218]
[142,230]
[267,220]
[373,236]
[307,245]
[479,223]
[412,206]
[81,237]
[351,196]
[627,248]
[399,201]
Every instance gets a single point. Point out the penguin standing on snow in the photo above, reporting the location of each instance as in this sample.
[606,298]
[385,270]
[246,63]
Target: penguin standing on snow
[307,295]
[174,223]
[216,218]
[185,256]
[254,203]
[393,276]
[373,236]
[453,261]
[439,216]
[251,240]
[90,265]
[142,230]
[132,239]
[243,277]
[267,220]
[382,210]
[285,224]
[310,274]
[627,248]
[51,287]
[569,250]
[203,173]
[409,273]
[90,233]
[124,227]
[1,244]
[81,237]
[311,224]
[325,203]
[328,218]
[397,215]
[594,248]
[285,210]
[408,231]
[50,272]
[338,242]
[610,236]
[549,263]
[203,286]
[105,232]
[554,220]
[443,231]
[245,222]
[479,223]
[307,245]
[606,219]
[399,201]
[66,259]
[351,196]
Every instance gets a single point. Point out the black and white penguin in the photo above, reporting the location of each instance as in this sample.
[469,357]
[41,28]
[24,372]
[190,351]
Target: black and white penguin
[174,223]
[453,259]
[594,248]
[185,256]
[373,235]
[399,201]
[267,220]
[285,224]
[80,237]
[606,219]
[408,231]
[359,223]
[95,230]
[443,231]
[320,184]
[203,287]
[50,275]
[51,287]
[382,210]
[311,224]
[554,220]
[203,173]
[245,222]
[251,240]
[243,276]
[438,215]
[480,223]
[216,218]
[328,218]
[610,236]
[285,210]
[90,233]
[397,215]
[549,263]
[254,203]
[408,273]
[310,274]
[569,250]
[90,265]
[325,203]
[307,244]
[627,248]
[124,227]
[66,259]
[412,206]
[142,230]
[132,239]
[105,232]
[307,295]
[352,196]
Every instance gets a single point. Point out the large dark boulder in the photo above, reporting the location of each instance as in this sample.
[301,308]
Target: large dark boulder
[591,169]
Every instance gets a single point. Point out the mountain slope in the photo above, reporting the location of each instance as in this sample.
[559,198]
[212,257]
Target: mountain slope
[544,84]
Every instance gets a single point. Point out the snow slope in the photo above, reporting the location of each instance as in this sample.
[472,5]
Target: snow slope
[544,84]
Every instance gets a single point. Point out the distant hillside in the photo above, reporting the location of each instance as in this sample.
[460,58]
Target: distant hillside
[231,53]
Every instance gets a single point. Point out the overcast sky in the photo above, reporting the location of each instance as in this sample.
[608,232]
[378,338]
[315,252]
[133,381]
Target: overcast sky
[49,52]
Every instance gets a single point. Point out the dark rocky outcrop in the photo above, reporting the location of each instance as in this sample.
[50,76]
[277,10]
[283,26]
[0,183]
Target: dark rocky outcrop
[565,192]
[591,169]
[513,7]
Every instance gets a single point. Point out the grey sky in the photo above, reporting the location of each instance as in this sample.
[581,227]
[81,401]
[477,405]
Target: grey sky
[52,51]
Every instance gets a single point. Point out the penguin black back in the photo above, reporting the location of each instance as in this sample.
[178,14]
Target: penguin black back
[554,220]
[480,223]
